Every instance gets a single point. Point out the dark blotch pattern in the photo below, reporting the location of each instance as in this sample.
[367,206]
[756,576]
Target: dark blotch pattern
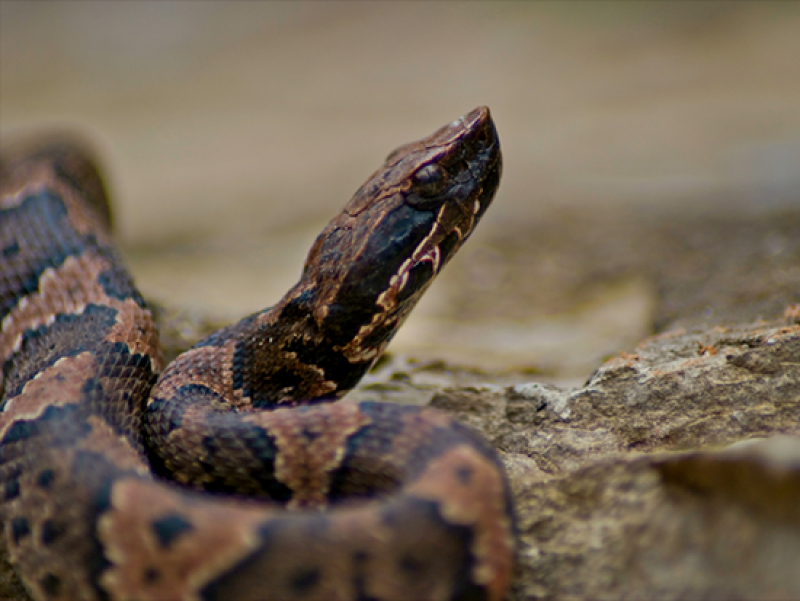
[51,531]
[67,336]
[448,246]
[20,431]
[266,393]
[169,528]
[10,250]
[20,528]
[151,575]
[59,423]
[45,478]
[51,585]
[11,491]
[305,581]
[410,566]
[117,284]
[464,475]
[238,364]
[335,366]
[35,236]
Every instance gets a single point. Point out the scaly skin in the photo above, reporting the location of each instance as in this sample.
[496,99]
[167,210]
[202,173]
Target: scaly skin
[357,500]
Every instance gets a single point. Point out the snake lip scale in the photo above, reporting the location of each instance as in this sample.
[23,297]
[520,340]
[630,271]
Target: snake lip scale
[232,473]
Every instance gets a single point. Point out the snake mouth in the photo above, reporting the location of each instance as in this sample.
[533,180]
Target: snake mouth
[469,153]
[484,160]
[472,164]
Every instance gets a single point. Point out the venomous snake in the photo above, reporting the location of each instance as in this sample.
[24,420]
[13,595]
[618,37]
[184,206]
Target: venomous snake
[228,475]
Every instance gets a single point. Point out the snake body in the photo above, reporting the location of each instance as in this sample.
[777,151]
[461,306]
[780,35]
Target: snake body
[123,480]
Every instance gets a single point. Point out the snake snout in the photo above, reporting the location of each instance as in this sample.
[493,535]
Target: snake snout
[481,153]
[481,138]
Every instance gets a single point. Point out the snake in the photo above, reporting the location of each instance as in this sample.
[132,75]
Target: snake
[238,471]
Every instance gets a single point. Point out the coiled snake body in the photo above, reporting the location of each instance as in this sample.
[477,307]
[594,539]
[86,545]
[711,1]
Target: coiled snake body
[353,500]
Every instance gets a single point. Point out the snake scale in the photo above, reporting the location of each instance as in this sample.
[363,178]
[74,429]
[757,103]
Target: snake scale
[229,474]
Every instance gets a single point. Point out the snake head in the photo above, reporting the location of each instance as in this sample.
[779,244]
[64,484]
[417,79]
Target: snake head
[458,167]
[371,264]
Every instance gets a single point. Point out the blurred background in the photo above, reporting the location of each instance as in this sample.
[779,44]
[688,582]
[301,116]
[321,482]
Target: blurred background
[231,132]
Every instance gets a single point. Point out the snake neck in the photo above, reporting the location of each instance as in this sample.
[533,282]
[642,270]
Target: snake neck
[307,348]
[363,275]
[301,350]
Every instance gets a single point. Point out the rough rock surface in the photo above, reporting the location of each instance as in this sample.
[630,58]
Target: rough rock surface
[674,471]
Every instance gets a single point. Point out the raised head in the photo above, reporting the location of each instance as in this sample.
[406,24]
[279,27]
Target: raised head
[371,264]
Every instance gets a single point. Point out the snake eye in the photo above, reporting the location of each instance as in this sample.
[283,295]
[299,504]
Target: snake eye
[430,180]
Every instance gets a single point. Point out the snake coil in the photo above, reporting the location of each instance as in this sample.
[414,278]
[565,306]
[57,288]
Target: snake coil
[229,474]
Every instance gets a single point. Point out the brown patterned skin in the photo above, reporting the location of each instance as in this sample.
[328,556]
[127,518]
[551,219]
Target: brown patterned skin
[353,500]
